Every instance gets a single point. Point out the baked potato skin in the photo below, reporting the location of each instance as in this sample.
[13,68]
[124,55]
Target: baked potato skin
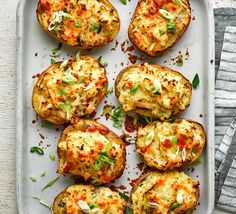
[102,198]
[90,23]
[148,29]
[163,106]
[82,95]
[170,144]
[167,186]
[81,145]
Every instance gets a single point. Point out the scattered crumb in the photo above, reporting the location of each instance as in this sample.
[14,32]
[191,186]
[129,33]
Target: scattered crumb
[133,58]
[140,165]
[41,136]
[36,76]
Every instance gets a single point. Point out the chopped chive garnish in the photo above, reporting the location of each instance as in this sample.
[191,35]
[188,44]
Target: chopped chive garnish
[98,164]
[77,25]
[81,80]
[67,15]
[36,149]
[77,56]
[157,86]
[163,44]
[134,88]
[42,174]
[157,92]
[46,123]
[42,202]
[175,1]
[64,63]
[50,183]
[174,140]
[109,91]
[55,50]
[166,14]
[171,27]
[148,119]
[33,178]
[106,148]
[93,205]
[95,183]
[106,110]
[66,108]
[161,32]
[53,61]
[199,161]
[124,2]
[128,210]
[180,61]
[57,28]
[174,206]
[147,86]
[135,121]
[96,27]
[105,158]
[61,93]
[117,116]
[195,81]
[69,79]
[52,156]
[103,62]
[163,7]
[126,197]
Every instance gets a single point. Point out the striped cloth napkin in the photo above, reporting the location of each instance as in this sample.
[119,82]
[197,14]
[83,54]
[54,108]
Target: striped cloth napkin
[225,103]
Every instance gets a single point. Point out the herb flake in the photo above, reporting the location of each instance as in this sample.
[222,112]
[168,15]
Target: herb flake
[33,178]
[124,2]
[110,90]
[36,149]
[52,156]
[195,81]
[50,183]
[128,210]
[171,27]
[122,195]
[42,202]
[53,61]
[134,88]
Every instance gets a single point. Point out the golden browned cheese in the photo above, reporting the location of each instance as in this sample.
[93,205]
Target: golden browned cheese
[170,144]
[83,198]
[158,24]
[90,150]
[69,90]
[83,23]
[153,90]
[172,192]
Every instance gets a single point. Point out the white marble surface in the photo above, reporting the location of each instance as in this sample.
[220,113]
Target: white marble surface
[7,102]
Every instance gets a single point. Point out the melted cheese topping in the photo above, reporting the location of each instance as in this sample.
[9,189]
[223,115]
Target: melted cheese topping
[59,101]
[173,145]
[174,91]
[79,150]
[89,23]
[158,193]
[151,32]
[88,199]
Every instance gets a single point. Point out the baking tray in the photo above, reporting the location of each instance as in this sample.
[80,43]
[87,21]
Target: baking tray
[33,50]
